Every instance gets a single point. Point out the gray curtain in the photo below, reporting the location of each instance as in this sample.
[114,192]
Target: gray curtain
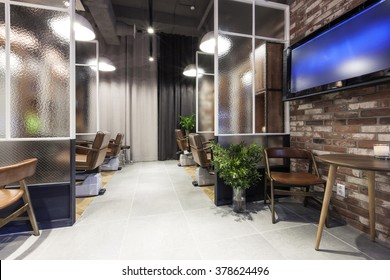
[128,96]
[176,93]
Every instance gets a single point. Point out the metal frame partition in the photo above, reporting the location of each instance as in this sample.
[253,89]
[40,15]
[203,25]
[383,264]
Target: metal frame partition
[37,101]
[235,72]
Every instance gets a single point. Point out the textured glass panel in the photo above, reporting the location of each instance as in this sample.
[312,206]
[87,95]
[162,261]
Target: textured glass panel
[235,16]
[269,22]
[206,103]
[85,52]
[51,3]
[53,158]
[86,99]
[260,86]
[206,62]
[2,71]
[39,74]
[235,88]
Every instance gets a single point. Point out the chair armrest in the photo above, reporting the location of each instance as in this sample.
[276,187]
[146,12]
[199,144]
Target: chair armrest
[86,148]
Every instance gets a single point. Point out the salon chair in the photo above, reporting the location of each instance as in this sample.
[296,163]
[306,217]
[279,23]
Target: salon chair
[204,174]
[89,159]
[186,158]
[11,196]
[111,162]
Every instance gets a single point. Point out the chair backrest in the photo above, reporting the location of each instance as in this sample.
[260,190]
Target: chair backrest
[181,140]
[291,153]
[97,154]
[17,172]
[197,149]
[115,147]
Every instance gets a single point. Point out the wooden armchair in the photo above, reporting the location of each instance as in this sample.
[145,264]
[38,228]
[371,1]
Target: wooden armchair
[91,157]
[17,173]
[114,146]
[280,183]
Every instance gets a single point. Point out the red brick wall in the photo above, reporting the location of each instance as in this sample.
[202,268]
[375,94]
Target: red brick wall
[347,122]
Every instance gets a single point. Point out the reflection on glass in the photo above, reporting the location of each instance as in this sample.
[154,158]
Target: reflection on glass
[235,96]
[86,52]
[234,16]
[39,75]
[269,22]
[206,62]
[2,71]
[86,114]
[206,103]
[51,3]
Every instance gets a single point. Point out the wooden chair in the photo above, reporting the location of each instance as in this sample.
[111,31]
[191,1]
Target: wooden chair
[182,142]
[114,146]
[91,157]
[280,183]
[17,173]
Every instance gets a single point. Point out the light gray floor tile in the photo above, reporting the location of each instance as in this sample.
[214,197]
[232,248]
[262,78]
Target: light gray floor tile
[103,211]
[298,243]
[155,201]
[253,247]
[194,199]
[217,224]
[152,237]
[361,241]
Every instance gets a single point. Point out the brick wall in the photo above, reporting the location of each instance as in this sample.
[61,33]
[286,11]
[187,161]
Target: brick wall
[347,122]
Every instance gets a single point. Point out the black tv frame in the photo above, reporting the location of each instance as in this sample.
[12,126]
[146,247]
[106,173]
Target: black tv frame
[364,80]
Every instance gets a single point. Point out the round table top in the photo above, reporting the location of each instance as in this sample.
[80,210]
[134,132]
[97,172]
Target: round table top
[361,162]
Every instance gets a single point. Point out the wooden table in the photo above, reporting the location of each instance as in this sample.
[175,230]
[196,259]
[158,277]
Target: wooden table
[361,162]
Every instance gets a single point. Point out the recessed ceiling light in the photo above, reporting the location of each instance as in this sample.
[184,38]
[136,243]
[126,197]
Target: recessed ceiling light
[150,30]
[151,59]
[192,8]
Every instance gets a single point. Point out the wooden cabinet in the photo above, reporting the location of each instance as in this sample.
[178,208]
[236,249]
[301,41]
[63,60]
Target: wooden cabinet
[268,88]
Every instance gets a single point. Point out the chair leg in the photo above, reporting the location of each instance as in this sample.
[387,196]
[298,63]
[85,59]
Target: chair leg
[272,203]
[30,211]
[305,200]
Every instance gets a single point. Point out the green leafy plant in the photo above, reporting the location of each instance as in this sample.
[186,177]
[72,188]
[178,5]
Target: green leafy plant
[188,123]
[237,164]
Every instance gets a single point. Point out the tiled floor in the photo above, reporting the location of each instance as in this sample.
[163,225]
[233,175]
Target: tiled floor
[151,211]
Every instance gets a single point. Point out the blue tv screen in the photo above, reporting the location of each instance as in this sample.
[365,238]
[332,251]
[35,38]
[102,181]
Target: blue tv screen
[351,52]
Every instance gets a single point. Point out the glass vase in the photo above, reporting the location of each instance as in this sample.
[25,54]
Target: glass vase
[239,201]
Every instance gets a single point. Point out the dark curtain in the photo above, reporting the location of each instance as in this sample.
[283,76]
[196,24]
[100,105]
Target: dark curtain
[176,93]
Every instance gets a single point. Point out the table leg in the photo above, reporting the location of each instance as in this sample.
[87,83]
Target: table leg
[325,203]
[371,202]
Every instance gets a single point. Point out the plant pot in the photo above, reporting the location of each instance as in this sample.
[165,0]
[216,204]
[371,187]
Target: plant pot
[239,201]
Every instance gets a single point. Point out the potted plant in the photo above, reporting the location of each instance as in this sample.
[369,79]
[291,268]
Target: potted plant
[237,165]
[187,123]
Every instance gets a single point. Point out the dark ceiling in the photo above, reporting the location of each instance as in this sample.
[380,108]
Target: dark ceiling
[185,17]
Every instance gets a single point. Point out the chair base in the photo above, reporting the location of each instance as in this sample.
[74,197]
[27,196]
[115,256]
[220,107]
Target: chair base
[90,186]
[186,160]
[203,177]
[111,164]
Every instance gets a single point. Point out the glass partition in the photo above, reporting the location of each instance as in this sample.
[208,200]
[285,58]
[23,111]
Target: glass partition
[87,77]
[36,86]
[40,75]
[245,85]
[205,93]
[2,70]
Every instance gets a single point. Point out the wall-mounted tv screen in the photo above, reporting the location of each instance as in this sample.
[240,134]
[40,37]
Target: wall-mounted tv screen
[352,51]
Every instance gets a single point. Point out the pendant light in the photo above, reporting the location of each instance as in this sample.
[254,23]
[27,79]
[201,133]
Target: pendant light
[191,71]
[207,43]
[83,30]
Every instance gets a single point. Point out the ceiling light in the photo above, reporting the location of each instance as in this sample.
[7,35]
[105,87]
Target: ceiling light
[83,29]
[150,30]
[192,8]
[151,59]
[207,44]
[105,64]
[191,71]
